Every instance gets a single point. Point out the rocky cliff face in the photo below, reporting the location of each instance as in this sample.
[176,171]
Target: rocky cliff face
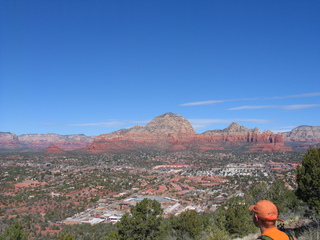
[303,137]
[235,133]
[168,132]
[303,133]
[165,132]
[41,141]
[53,149]
[9,141]
[172,132]
[170,123]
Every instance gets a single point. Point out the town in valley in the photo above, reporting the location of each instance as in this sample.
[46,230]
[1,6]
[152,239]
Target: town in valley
[71,188]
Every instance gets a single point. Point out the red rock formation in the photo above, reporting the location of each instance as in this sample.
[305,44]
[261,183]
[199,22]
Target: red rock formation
[9,141]
[268,147]
[53,149]
[65,142]
[303,137]
[303,133]
[306,146]
[171,132]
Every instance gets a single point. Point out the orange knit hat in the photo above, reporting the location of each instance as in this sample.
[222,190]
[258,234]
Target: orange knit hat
[266,210]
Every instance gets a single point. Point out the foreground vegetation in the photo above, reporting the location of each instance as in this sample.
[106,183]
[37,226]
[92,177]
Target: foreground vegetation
[232,220]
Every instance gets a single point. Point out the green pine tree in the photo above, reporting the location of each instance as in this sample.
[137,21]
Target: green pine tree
[308,179]
[189,223]
[14,232]
[66,236]
[234,218]
[144,222]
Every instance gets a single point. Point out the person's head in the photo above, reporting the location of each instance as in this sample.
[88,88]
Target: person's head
[265,212]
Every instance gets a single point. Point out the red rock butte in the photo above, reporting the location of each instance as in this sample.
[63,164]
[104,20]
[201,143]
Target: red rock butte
[53,149]
[169,132]
[172,132]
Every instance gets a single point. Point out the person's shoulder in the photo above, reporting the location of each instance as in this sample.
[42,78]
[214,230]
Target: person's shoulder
[264,237]
[274,234]
[291,237]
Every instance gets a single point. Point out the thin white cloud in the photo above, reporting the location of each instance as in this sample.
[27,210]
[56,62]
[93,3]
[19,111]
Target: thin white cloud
[100,124]
[203,102]
[199,123]
[300,106]
[216,101]
[45,123]
[253,107]
[111,123]
[107,124]
[315,94]
[284,107]
[209,102]
[283,129]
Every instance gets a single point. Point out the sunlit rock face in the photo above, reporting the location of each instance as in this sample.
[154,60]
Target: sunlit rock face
[303,137]
[303,133]
[172,132]
[53,149]
[10,141]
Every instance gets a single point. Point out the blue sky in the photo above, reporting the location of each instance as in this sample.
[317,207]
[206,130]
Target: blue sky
[93,67]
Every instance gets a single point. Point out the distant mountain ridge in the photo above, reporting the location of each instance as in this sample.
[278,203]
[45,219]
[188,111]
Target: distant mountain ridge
[303,133]
[303,137]
[10,141]
[163,124]
[233,127]
[170,132]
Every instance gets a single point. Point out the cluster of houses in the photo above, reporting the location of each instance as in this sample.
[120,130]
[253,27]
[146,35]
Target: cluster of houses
[105,212]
